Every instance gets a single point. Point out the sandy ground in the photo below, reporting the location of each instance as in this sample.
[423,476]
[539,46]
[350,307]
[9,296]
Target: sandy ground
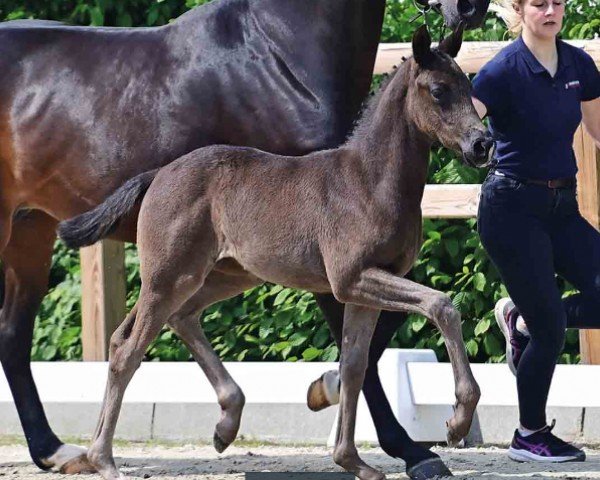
[188,462]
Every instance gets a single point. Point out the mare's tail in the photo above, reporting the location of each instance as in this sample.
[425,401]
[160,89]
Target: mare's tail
[96,224]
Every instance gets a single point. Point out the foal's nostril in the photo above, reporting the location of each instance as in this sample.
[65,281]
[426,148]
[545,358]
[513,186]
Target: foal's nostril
[481,147]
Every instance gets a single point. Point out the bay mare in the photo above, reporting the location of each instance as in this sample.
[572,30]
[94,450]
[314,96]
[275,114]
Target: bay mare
[346,221]
[83,109]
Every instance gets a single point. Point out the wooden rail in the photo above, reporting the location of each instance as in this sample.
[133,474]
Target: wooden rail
[103,276]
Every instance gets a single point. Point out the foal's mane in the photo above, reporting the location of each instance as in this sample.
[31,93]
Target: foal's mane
[365,118]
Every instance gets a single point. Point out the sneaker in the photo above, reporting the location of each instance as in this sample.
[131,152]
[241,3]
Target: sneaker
[506,317]
[543,446]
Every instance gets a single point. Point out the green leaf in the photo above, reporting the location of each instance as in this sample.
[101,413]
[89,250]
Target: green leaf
[311,353]
[124,20]
[152,16]
[482,327]
[298,338]
[417,323]
[97,16]
[282,296]
[492,345]
[472,348]
[452,247]
[479,281]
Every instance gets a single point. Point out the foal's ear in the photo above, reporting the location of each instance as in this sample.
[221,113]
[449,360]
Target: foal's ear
[451,44]
[421,45]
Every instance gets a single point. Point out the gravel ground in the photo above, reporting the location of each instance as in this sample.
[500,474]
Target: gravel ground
[187,462]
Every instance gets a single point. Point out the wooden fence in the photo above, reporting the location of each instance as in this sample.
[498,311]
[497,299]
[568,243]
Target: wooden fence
[102,265]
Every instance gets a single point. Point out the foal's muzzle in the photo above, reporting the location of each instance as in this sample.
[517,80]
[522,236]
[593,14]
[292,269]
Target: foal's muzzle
[479,149]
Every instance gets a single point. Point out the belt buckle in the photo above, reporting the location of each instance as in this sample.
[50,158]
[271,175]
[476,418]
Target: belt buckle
[551,184]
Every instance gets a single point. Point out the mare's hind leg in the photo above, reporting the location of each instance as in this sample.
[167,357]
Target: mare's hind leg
[217,287]
[393,439]
[27,260]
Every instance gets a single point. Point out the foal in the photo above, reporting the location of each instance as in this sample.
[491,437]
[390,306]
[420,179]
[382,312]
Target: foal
[348,221]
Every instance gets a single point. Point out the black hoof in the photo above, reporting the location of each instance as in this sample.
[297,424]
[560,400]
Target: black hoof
[219,444]
[430,469]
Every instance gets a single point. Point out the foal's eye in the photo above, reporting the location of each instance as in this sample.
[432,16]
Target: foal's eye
[438,92]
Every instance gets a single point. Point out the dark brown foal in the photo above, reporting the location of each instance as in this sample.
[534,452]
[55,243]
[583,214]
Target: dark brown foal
[347,221]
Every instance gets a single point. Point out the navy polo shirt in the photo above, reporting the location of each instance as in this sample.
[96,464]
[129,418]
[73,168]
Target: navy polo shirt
[533,116]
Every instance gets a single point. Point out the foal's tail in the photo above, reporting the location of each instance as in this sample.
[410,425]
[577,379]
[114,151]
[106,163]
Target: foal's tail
[91,226]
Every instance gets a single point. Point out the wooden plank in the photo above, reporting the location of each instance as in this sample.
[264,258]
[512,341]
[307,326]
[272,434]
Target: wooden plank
[588,190]
[450,201]
[472,55]
[103,296]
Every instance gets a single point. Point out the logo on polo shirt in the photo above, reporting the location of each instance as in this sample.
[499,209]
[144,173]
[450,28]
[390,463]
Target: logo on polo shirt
[573,84]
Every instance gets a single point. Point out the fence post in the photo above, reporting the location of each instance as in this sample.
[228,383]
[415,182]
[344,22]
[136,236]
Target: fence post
[103,296]
[588,189]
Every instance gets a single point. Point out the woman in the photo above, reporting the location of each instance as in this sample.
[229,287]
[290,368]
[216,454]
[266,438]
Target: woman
[536,91]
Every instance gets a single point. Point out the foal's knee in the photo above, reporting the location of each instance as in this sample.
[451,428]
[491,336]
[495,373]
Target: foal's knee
[443,312]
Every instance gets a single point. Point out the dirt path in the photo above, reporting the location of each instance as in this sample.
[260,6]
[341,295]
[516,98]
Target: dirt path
[202,462]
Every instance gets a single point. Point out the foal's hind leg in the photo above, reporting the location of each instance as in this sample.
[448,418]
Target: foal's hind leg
[217,287]
[27,260]
[393,439]
[128,346]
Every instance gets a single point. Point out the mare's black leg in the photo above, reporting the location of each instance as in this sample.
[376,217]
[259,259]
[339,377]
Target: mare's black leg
[26,264]
[392,437]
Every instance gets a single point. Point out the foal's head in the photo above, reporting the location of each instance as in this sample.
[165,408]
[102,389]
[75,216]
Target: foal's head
[438,98]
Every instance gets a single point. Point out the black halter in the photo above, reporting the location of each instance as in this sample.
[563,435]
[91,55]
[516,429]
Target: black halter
[424,9]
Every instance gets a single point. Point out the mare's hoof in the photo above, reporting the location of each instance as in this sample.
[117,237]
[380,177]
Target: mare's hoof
[219,444]
[77,465]
[430,469]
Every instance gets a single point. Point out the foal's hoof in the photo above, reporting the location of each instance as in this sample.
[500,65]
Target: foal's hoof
[78,465]
[219,444]
[324,392]
[432,468]
[454,440]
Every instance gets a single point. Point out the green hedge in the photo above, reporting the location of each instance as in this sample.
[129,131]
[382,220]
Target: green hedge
[275,323]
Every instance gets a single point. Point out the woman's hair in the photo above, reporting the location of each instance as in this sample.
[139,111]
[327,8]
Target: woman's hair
[506,9]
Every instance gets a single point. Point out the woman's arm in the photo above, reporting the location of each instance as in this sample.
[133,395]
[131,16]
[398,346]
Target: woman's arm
[591,118]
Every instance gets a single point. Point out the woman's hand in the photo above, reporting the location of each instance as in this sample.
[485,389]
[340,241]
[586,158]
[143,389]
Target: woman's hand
[591,118]
[480,107]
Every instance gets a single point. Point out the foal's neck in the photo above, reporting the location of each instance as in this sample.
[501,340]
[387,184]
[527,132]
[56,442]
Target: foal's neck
[393,153]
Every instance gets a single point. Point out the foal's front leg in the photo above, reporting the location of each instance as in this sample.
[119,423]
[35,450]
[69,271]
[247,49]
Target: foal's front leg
[359,325]
[377,288]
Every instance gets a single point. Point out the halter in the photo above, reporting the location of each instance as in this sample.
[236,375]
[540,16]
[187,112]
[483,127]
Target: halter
[432,5]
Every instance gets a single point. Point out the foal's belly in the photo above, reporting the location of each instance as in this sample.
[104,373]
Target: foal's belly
[283,267]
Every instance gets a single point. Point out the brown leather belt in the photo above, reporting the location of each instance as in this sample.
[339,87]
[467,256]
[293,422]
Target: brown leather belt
[556,183]
[567,182]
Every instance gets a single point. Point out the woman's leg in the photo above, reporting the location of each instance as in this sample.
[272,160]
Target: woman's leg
[577,258]
[513,226]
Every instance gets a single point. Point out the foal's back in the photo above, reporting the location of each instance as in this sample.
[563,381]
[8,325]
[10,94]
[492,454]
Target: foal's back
[272,214]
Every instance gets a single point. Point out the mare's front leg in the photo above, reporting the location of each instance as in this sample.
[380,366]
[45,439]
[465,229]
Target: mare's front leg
[26,264]
[377,288]
[359,325]
[394,440]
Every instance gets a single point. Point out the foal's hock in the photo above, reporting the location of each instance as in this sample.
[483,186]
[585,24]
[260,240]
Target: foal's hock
[348,221]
